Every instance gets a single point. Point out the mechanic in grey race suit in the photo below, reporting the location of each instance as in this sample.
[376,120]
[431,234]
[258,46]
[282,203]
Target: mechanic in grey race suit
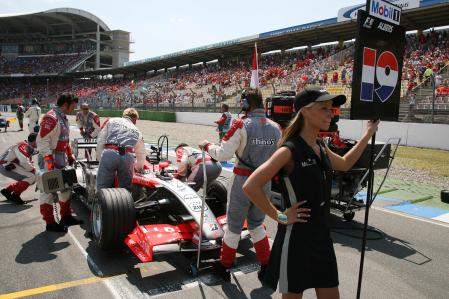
[53,144]
[253,140]
[118,141]
[190,165]
[33,113]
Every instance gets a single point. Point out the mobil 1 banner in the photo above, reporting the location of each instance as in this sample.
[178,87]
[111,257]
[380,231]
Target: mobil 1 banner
[378,58]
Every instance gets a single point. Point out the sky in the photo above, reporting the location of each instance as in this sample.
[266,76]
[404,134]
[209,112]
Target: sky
[162,27]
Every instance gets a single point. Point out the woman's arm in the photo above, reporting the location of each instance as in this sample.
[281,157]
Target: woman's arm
[263,174]
[347,161]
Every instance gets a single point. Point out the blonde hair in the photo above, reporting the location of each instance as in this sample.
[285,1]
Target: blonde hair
[131,113]
[295,126]
[293,129]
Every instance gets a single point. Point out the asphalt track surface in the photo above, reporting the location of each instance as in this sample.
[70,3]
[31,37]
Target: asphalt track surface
[409,261]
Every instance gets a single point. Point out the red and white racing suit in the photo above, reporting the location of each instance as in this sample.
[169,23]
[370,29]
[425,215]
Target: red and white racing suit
[190,165]
[19,159]
[53,144]
[253,140]
[89,123]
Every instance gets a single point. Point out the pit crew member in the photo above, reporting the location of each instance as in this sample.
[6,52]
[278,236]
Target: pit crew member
[118,141]
[53,145]
[17,163]
[252,140]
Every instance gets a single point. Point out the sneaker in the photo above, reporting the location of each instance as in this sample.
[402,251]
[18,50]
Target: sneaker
[70,220]
[6,193]
[261,272]
[16,199]
[223,272]
[56,227]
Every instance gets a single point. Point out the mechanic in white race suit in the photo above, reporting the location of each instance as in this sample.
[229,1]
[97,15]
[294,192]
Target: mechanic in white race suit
[88,122]
[17,164]
[53,145]
[190,166]
[118,141]
[253,140]
[33,113]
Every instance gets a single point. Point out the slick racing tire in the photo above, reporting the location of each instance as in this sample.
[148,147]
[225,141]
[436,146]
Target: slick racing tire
[217,194]
[113,217]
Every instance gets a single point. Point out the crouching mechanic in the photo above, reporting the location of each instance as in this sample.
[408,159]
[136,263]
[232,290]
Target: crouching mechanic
[190,165]
[253,140]
[118,141]
[17,163]
[53,145]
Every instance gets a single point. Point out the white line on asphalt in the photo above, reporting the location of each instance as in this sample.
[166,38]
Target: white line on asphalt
[207,279]
[436,222]
[115,293]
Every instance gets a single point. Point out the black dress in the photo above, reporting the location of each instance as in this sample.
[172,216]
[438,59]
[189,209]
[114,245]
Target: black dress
[302,255]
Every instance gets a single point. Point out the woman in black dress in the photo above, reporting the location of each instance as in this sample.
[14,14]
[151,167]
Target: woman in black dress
[303,255]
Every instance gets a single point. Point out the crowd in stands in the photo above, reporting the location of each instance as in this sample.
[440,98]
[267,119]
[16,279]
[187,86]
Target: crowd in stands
[13,91]
[38,64]
[425,55]
[213,83]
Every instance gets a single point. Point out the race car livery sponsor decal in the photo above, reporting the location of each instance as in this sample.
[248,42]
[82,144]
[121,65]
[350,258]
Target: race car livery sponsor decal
[194,202]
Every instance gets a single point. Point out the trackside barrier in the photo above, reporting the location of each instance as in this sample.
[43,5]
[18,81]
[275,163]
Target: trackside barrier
[411,134]
[144,115]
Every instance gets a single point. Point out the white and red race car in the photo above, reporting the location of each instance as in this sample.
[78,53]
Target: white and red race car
[160,210]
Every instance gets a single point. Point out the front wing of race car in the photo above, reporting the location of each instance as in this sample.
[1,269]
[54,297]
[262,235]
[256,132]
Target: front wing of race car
[144,239]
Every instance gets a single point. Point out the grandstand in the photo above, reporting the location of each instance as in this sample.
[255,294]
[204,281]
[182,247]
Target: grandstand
[37,49]
[318,53]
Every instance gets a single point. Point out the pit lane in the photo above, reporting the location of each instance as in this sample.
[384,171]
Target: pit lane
[410,262]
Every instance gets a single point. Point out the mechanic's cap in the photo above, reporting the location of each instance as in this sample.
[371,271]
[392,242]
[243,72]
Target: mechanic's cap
[310,95]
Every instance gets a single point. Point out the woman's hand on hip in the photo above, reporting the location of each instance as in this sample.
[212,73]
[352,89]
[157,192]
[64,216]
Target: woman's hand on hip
[297,214]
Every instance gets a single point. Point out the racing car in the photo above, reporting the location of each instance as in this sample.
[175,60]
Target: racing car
[159,210]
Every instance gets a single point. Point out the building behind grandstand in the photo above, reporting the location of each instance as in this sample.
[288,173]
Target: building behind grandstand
[57,41]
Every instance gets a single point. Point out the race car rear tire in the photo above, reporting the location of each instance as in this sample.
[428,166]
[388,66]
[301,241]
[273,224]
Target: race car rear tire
[113,217]
[218,191]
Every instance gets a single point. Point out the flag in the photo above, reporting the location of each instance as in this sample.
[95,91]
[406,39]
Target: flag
[254,70]
[132,85]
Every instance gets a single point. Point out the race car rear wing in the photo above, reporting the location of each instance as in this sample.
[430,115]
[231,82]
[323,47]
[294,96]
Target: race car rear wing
[82,143]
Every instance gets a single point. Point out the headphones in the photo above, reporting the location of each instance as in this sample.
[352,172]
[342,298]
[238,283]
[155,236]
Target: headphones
[245,104]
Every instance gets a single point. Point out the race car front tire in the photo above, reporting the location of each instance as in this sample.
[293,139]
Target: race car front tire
[218,195]
[113,217]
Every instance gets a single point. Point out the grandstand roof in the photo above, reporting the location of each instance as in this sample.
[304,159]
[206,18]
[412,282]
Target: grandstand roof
[58,21]
[430,13]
